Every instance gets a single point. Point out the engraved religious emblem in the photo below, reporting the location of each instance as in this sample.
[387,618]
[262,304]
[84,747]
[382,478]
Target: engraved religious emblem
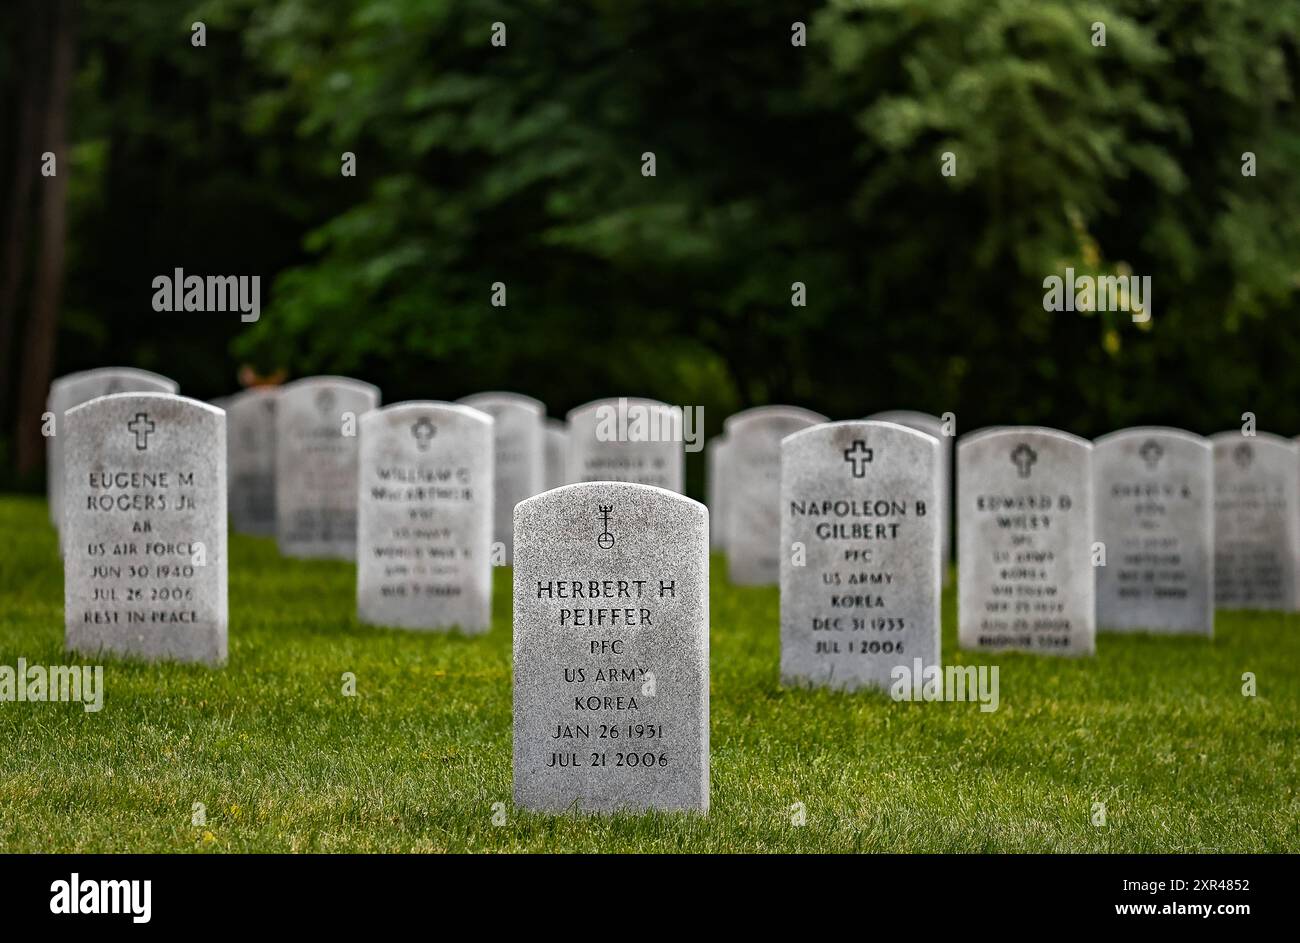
[606,539]
[858,456]
[141,426]
[424,431]
[1023,457]
[1151,453]
[325,401]
[1243,455]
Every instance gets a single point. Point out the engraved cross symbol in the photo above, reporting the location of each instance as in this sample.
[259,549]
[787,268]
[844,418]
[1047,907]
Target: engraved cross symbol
[1024,458]
[141,426]
[858,456]
[424,431]
[1151,452]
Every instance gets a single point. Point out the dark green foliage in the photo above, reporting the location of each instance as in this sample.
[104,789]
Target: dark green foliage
[775,164]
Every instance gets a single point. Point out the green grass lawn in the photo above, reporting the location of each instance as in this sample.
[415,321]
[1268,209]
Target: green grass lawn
[1155,728]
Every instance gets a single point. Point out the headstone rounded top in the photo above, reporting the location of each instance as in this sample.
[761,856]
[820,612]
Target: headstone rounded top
[1147,432]
[497,398]
[830,428]
[1011,432]
[748,417]
[71,380]
[249,398]
[579,411]
[907,417]
[416,406]
[145,398]
[306,383]
[1259,438]
[567,491]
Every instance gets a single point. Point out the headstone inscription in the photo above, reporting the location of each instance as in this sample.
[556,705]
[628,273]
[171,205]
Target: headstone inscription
[424,517]
[74,389]
[627,439]
[860,593]
[932,426]
[557,453]
[611,650]
[250,446]
[753,525]
[1025,541]
[145,528]
[316,462]
[1256,497]
[520,459]
[1154,489]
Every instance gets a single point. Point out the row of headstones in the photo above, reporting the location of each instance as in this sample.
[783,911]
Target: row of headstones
[425,490]
[611,579]
[312,507]
[302,430]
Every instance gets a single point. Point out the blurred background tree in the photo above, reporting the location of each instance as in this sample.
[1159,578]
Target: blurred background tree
[775,163]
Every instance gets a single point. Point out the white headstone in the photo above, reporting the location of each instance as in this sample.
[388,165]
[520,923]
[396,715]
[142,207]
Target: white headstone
[611,650]
[1025,541]
[557,453]
[753,525]
[74,389]
[424,517]
[627,439]
[520,457]
[718,488]
[316,462]
[860,585]
[1256,502]
[932,426]
[1155,519]
[145,528]
[250,442]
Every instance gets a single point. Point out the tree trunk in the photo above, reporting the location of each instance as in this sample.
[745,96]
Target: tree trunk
[38,351]
[26,137]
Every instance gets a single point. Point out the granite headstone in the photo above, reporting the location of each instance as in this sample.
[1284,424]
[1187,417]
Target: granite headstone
[753,507]
[932,426]
[860,594]
[557,453]
[74,389]
[611,650]
[424,517]
[717,490]
[1256,502]
[145,528]
[316,464]
[1154,489]
[627,439]
[1025,541]
[250,446]
[520,457]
